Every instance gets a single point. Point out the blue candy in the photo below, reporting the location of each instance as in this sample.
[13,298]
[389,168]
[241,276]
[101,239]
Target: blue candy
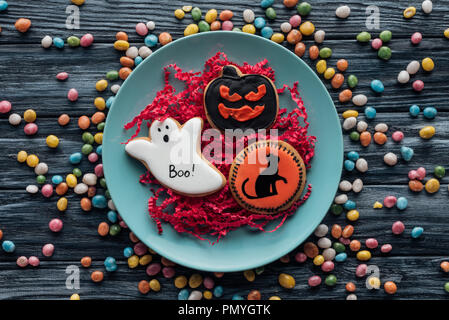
[99,201]
[75,158]
[110,264]
[183,294]
[349,205]
[58,42]
[237,297]
[266,3]
[370,113]
[57,179]
[218,291]
[109,102]
[99,150]
[353,155]
[112,216]
[3,5]
[349,165]
[414,110]
[407,153]
[377,86]
[401,203]
[266,32]
[138,60]
[150,40]
[128,252]
[341,257]
[8,246]
[259,22]
[417,232]
[430,112]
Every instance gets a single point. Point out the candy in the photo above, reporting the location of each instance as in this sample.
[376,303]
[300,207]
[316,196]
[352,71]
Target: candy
[145,52]
[377,86]
[191,29]
[267,32]
[32,160]
[385,36]
[55,225]
[349,165]
[314,281]
[427,6]
[310,250]
[427,132]
[376,44]
[307,28]
[365,138]
[416,38]
[58,42]
[390,159]
[165,38]
[321,66]
[353,155]
[444,266]
[325,52]
[318,260]
[121,45]
[47,190]
[294,37]
[352,215]
[277,37]
[343,12]
[330,280]
[354,136]
[99,201]
[427,64]
[342,65]
[407,153]
[349,123]
[418,85]
[14,119]
[363,36]
[349,205]
[329,254]
[398,227]
[22,25]
[286,281]
[295,20]
[357,185]
[52,141]
[413,67]
[97,276]
[73,41]
[430,112]
[22,261]
[327,266]
[397,136]
[361,270]
[195,280]
[324,243]
[285,27]
[321,230]
[403,77]
[390,287]
[304,8]
[345,186]
[402,203]
[439,172]
[3,5]
[156,286]
[361,165]
[75,158]
[8,246]
[249,275]
[432,185]
[30,129]
[270,13]
[415,185]
[409,12]
[380,138]
[314,52]
[384,53]
[360,100]
[319,38]
[86,40]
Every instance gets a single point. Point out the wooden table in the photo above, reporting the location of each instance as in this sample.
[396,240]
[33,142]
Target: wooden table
[27,79]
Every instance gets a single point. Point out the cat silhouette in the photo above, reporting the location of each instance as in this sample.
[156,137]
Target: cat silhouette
[265,185]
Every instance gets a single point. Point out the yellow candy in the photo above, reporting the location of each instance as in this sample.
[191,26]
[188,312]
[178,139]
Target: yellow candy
[98,137]
[75,296]
[179,14]
[52,141]
[432,186]
[329,73]
[427,64]
[207,295]
[307,28]
[22,156]
[350,113]
[133,261]
[318,260]
[121,45]
[32,160]
[250,28]
[191,29]
[352,215]
[155,285]
[195,280]
[62,204]
[180,282]
[286,281]
[274,298]
[146,259]
[101,85]
[29,115]
[321,66]
[364,255]
[71,180]
[427,132]
[78,3]
[374,282]
[278,37]
[249,275]
[409,12]
[99,103]
[187,8]
[377,205]
[446,33]
[211,16]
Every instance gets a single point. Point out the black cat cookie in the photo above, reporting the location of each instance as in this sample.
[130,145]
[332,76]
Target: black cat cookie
[241,101]
[267,177]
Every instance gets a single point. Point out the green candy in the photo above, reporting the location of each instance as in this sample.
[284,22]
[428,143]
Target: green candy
[40,179]
[73,41]
[203,26]
[354,136]
[86,149]
[114,230]
[196,14]
[339,247]
[77,172]
[270,13]
[446,286]
[112,75]
[259,270]
[439,172]
[107,194]
[88,138]
[385,36]
[330,280]
[384,53]
[336,209]
[304,8]
[236,29]
[325,53]
[364,36]
[103,182]
[352,81]
[100,126]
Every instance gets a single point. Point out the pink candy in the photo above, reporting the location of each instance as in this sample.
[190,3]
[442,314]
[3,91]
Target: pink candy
[397,136]
[371,243]
[376,44]
[140,248]
[72,95]
[418,85]
[47,190]
[295,21]
[92,157]
[34,261]
[327,266]
[55,225]
[416,38]
[62,76]
[22,261]
[390,201]
[386,248]
[99,170]
[398,227]
[300,257]
[208,283]
[345,241]
[418,174]
[30,129]
[153,269]
[5,106]
[141,29]
[227,25]
[168,272]
[314,281]
[86,40]
[360,271]
[48,249]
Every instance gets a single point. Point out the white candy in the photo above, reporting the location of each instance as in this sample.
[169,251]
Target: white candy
[329,254]
[321,230]
[195,295]
[46,42]
[351,297]
[349,123]
[248,15]
[32,188]
[345,186]
[90,179]
[362,126]
[319,36]
[81,188]
[357,185]
[151,25]
[15,119]
[361,165]
[381,127]
[144,51]
[324,243]
[115,88]
[341,199]
[403,77]
[41,168]
[360,100]
[132,52]
[343,12]
[286,27]
[413,67]
[427,6]
[390,159]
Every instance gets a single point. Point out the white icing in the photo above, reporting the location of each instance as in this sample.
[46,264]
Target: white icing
[173,155]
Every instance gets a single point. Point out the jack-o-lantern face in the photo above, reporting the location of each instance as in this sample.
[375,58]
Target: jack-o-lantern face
[241,101]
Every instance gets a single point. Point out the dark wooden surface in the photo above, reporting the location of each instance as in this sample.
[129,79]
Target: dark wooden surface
[27,80]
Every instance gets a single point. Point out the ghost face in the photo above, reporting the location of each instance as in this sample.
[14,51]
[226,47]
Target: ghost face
[164,133]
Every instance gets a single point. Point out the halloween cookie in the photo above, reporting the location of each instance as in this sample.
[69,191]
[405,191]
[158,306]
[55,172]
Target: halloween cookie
[173,155]
[241,101]
[267,177]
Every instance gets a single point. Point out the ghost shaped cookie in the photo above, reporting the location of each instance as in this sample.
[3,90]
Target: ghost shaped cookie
[172,153]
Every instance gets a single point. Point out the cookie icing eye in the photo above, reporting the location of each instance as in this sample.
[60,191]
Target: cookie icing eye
[256,96]
[224,93]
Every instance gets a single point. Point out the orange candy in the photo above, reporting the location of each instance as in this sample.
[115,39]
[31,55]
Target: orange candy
[444,265]
[294,36]
[365,138]
[254,295]
[124,73]
[86,204]
[314,52]
[144,287]
[300,49]
[103,229]
[290,3]
[97,276]
[216,25]
[226,15]
[165,38]
[133,237]
[22,24]
[390,287]
[336,231]
[355,245]
[127,62]
[342,65]
[83,122]
[1,234]
[415,185]
[311,250]
[337,80]
[347,231]
[345,95]
[350,287]
[63,119]
[121,36]
[86,262]
[380,138]
[61,189]
[98,117]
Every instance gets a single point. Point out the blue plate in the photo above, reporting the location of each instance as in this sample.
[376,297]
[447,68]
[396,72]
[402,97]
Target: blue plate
[243,248]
